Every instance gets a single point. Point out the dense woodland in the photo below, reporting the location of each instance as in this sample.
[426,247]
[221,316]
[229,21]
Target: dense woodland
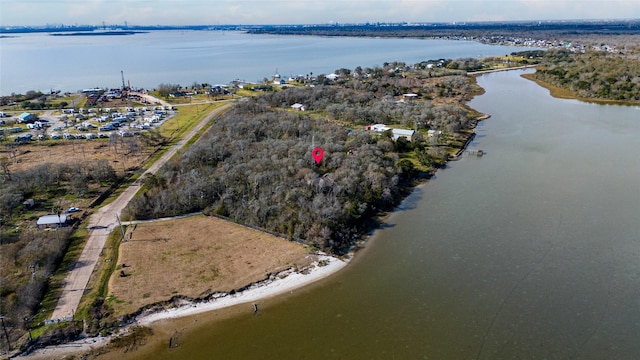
[362,102]
[594,74]
[255,167]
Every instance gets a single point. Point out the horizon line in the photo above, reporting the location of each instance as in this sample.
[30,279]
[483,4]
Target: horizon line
[333,23]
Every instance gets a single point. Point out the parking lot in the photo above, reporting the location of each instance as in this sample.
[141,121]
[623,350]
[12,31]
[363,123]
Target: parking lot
[87,124]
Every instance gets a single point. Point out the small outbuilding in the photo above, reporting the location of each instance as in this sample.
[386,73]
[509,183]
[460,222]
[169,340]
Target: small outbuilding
[26,117]
[54,221]
[378,128]
[29,203]
[298,106]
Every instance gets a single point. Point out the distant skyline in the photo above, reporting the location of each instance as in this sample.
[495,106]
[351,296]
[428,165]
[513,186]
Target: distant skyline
[224,12]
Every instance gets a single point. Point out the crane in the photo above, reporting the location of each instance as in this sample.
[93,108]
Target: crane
[123,84]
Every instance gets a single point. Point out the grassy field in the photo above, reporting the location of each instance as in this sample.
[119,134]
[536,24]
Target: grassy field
[186,118]
[194,257]
[71,152]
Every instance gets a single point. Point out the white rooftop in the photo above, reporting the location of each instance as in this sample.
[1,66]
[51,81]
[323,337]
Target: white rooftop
[52,219]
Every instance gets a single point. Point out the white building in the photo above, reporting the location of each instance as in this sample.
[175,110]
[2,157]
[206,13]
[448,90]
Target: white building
[52,221]
[395,133]
[298,106]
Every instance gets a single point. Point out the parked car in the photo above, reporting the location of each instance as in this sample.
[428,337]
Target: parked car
[72,210]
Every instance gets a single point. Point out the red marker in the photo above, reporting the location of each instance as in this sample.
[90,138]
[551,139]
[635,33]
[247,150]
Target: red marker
[317,154]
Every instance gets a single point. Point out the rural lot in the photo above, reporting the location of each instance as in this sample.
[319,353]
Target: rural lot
[165,258]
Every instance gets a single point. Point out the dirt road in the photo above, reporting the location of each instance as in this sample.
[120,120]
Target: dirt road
[151,99]
[101,224]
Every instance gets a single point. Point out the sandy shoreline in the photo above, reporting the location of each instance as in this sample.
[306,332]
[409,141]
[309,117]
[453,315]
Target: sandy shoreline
[285,282]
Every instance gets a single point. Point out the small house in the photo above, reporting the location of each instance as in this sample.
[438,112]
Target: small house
[54,221]
[398,133]
[395,133]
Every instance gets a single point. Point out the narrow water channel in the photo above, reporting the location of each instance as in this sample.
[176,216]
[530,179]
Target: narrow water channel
[529,252]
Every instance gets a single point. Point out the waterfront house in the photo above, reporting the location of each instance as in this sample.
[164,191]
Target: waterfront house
[395,133]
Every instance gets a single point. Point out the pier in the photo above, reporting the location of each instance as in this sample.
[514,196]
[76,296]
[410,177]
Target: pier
[476,152]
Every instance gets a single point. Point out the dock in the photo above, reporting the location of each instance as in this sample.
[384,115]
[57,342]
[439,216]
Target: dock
[476,152]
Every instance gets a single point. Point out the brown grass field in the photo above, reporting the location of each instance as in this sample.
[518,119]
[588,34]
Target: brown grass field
[194,257]
[71,152]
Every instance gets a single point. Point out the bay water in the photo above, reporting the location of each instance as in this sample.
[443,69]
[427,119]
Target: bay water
[70,63]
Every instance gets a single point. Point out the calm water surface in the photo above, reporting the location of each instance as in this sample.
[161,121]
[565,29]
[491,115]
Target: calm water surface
[530,252]
[68,63]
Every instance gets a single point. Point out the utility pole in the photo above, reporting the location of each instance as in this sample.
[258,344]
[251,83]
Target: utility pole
[26,324]
[124,238]
[6,334]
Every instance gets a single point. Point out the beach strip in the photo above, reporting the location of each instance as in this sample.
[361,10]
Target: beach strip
[258,291]
[287,281]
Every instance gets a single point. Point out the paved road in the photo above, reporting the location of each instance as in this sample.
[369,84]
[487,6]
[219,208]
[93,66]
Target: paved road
[101,224]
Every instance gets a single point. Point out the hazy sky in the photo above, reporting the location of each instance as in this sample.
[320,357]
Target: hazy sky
[179,12]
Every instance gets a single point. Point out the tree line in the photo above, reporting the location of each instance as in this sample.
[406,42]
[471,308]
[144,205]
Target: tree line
[594,74]
[485,30]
